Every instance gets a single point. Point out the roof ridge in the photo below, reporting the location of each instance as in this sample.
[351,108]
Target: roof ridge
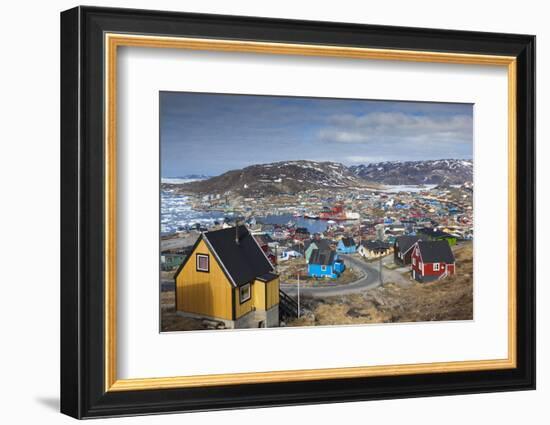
[218,259]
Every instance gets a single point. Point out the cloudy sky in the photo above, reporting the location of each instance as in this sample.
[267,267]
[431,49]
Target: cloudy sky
[212,133]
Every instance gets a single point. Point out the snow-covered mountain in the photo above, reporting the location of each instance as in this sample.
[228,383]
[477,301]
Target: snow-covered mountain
[297,176]
[183,179]
[279,177]
[441,171]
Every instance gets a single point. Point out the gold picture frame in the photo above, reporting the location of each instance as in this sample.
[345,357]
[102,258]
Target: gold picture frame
[114,41]
[91,39]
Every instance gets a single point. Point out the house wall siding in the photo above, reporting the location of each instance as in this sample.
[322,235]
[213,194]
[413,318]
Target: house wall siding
[429,269]
[204,293]
[244,308]
[426,270]
[316,270]
[272,292]
[265,294]
[259,294]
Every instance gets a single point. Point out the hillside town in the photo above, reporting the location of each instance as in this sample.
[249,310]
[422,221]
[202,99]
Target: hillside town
[339,237]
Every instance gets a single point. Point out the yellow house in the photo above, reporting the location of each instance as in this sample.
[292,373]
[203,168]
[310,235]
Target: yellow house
[228,278]
[374,249]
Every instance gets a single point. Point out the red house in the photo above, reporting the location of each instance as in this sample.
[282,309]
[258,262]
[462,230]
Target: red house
[263,241]
[432,260]
[402,249]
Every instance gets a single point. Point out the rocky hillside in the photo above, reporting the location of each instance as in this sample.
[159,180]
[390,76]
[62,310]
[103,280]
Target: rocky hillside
[279,177]
[297,176]
[442,171]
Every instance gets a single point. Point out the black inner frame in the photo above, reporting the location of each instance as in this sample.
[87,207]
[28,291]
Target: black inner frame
[82,207]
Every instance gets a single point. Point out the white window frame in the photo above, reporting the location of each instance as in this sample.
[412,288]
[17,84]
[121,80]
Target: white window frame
[436,267]
[323,268]
[241,299]
[207,270]
[414,261]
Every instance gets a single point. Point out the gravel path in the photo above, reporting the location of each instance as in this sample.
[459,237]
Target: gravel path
[396,275]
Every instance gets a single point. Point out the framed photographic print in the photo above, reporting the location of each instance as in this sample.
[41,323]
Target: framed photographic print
[261,212]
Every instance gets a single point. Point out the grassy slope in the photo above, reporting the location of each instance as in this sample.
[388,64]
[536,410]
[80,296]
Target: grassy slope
[448,299]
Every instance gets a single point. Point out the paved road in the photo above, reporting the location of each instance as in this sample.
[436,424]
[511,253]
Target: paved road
[369,280]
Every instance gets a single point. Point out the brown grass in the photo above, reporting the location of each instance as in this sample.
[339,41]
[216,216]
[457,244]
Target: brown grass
[170,321]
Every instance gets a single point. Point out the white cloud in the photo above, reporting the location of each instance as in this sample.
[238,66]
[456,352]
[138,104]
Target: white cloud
[342,136]
[359,159]
[387,127]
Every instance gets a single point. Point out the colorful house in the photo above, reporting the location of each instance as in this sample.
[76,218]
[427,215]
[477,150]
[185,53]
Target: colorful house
[264,240]
[286,255]
[170,261]
[374,249]
[346,246]
[310,246]
[431,234]
[325,263]
[402,249]
[228,278]
[432,260]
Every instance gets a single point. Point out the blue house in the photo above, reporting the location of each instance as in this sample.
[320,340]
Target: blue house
[346,246]
[325,263]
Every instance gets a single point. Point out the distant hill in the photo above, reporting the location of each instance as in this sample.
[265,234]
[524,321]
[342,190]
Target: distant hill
[441,171]
[297,176]
[278,178]
[183,179]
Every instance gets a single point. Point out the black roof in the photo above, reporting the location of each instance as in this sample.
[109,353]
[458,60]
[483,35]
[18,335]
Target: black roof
[243,261]
[404,243]
[320,244]
[323,257]
[436,252]
[268,277]
[374,245]
[348,241]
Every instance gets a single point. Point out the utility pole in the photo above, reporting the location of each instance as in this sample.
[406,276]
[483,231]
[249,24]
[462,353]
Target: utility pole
[298,294]
[277,258]
[380,267]
[298,300]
